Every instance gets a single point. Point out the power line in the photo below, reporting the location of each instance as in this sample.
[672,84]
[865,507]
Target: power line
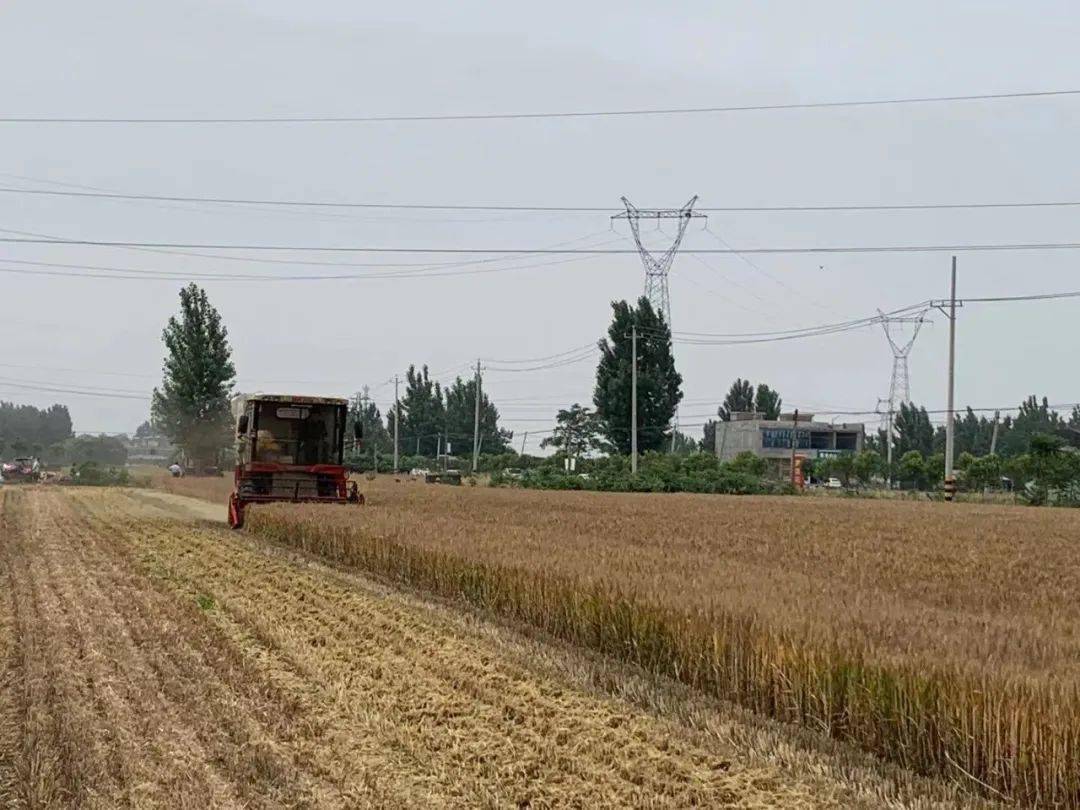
[532,360]
[1036,297]
[422,266]
[375,119]
[121,273]
[1008,246]
[540,209]
[103,394]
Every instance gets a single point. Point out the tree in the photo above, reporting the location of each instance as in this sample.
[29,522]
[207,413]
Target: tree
[23,427]
[376,435]
[659,386]
[192,405]
[843,467]
[767,402]
[912,468]
[423,414]
[1053,466]
[739,399]
[96,449]
[460,417]
[683,445]
[750,463]
[973,434]
[935,469]
[913,430]
[1033,417]
[708,439]
[984,472]
[144,430]
[865,466]
[577,431]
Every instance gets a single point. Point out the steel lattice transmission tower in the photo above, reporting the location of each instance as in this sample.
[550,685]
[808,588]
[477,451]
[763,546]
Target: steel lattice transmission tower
[900,384]
[658,264]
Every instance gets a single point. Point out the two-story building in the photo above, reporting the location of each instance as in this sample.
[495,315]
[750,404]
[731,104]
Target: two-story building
[772,439]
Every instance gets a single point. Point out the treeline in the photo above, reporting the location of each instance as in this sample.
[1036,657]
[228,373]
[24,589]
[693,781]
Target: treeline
[46,434]
[26,430]
[435,421]
[974,433]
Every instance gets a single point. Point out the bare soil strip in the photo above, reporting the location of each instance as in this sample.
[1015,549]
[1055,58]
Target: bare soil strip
[154,663]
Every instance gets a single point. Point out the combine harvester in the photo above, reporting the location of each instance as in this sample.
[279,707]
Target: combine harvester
[22,470]
[290,448]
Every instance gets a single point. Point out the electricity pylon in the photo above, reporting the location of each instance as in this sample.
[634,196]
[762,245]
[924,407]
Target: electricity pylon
[658,264]
[900,384]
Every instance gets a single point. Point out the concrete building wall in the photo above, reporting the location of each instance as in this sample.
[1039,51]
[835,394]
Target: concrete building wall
[815,439]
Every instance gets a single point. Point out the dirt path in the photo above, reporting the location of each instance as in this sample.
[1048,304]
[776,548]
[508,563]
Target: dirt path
[148,661]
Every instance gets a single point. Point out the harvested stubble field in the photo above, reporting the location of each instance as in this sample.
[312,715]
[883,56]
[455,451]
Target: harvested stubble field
[942,637]
[152,658]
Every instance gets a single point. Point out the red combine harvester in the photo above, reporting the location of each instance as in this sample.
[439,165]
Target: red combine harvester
[290,448]
[19,470]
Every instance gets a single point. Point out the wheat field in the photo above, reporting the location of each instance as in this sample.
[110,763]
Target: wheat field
[941,637]
[150,657]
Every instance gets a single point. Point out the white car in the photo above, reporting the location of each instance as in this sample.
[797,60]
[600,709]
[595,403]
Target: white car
[833,483]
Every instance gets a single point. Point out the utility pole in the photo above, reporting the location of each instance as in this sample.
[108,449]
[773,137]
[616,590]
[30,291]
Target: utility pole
[524,438]
[794,443]
[950,417]
[633,400]
[948,309]
[397,423]
[476,423]
[994,435]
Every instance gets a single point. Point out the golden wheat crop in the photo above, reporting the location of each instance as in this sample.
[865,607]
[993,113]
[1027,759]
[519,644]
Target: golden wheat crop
[941,637]
[156,662]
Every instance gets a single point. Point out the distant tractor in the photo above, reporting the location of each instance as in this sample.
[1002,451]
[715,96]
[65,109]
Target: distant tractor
[290,448]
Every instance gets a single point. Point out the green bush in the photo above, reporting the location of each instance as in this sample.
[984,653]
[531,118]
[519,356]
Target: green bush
[657,472]
[90,474]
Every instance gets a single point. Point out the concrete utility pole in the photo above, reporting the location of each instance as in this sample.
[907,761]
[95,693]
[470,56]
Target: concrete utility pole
[524,438]
[794,443]
[476,423]
[397,423]
[950,418]
[994,435]
[948,309]
[633,400]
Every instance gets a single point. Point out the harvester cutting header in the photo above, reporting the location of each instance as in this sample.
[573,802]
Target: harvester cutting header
[290,448]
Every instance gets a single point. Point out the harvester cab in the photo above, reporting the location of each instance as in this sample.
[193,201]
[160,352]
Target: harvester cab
[290,448]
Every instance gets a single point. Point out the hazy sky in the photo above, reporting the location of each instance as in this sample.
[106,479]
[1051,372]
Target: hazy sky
[231,58]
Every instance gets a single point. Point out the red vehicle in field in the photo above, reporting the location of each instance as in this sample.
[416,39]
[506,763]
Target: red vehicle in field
[19,470]
[290,448]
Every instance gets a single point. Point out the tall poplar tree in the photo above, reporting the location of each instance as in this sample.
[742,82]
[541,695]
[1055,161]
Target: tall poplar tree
[659,384]
[192,405]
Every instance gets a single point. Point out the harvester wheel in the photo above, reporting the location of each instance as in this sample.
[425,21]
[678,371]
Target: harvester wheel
[236,512]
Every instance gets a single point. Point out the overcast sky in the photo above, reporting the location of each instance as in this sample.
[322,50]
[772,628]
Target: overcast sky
[226,58]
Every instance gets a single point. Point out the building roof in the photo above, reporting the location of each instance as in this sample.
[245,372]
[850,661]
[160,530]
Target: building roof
[296,399]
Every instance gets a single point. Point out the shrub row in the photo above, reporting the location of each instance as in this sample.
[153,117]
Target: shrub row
[657,472]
